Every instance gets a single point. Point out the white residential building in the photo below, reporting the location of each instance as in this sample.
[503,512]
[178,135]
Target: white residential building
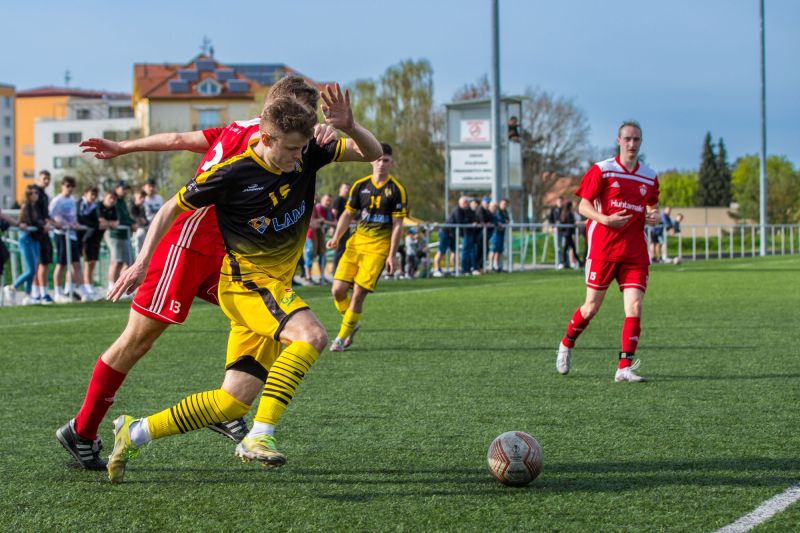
[56,140]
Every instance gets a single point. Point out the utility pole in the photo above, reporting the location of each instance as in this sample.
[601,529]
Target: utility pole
[497,129]
[762,181]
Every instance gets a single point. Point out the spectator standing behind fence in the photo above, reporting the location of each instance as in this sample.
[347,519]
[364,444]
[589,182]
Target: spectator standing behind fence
[666,224]
[484,220]
[569,251]
[30,226]
[325,213]
[416,252]
[39,290]
[8,292]
[89,217]
[337,208]
[64,214]
[447,246]
[119,239]
[144,207]
[464,215]
[553,220]
[500,219]
[136,210]
[308,247]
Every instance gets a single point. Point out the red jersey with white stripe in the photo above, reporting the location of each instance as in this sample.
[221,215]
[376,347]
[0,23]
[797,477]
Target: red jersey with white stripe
[613,188]
[198,230]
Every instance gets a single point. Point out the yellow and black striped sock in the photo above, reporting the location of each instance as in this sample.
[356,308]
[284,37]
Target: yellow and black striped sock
[342,305]
[349,323]
[284,376]
[195,412]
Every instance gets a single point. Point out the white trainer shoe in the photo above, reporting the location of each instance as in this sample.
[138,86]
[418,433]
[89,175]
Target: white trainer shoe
[10,295]
[337,345]
[438,274]
[628,374]
[563,359]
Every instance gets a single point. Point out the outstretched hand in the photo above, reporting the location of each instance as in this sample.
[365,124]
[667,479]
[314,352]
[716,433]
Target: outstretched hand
[336,108]
[127,282]
[101,148]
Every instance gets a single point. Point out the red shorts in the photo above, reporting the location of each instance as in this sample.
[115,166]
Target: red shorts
[600,274]
[175,276]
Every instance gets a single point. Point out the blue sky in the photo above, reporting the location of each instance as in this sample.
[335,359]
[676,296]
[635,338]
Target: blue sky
[680,67]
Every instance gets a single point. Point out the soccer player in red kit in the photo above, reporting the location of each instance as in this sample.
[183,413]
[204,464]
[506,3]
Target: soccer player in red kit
[618,196]
[184,266]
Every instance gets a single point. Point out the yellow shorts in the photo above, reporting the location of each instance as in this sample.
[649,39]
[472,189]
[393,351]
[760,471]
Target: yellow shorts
[258,311]
[361,268]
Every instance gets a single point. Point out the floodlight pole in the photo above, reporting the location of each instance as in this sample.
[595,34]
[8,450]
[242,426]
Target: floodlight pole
[762,181]
[497,130]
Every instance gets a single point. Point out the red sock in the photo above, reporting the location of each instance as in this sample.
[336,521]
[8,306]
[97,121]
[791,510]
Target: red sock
[631,329]
[99,397]
[576,326]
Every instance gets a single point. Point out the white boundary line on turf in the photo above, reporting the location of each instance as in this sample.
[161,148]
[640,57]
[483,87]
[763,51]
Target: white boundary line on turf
[765,511]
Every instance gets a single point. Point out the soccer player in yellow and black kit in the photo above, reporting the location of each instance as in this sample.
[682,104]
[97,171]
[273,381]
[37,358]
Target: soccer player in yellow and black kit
[263,198]
[382,203]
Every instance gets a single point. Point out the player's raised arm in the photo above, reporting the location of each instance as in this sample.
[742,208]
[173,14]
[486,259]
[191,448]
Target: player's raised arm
[133,276]
[362,144]
[193,141]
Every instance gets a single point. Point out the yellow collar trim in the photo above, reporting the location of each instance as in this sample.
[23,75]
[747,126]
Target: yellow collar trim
[261,162]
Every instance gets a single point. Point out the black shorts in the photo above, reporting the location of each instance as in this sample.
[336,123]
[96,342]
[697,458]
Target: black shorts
[45,250]
[61,249]
[91,247]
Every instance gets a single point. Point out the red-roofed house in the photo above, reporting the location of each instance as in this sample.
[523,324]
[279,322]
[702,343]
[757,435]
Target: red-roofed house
[200,94]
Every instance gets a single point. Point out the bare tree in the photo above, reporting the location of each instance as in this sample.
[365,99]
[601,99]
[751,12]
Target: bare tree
[474,91]
[555,141]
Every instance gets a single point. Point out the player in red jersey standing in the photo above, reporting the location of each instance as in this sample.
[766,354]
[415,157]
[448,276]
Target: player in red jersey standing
[618,196]
[185,265]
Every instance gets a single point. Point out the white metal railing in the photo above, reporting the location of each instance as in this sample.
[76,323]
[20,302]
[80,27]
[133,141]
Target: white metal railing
[538,246]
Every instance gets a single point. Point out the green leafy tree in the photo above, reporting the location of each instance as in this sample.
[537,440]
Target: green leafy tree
[724,174]
[707,194]
[714,176]
[136,168]
[677,188]
[783,189]
[182,167]
[399,109]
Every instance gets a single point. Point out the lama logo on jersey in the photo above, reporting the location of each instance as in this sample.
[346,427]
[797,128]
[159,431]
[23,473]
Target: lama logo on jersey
[259,224]
[290,218]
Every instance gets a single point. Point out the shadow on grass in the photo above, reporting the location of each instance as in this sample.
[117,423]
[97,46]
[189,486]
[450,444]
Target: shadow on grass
[366,484]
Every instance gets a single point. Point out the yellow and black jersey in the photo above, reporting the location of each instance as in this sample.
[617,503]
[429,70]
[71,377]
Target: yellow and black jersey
[262,212]
[377,206]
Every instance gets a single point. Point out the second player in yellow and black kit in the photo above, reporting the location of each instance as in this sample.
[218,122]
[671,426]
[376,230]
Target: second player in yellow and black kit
[377,205]
[381,203]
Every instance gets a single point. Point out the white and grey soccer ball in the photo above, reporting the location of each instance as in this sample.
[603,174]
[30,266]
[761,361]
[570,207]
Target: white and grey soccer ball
[514,458]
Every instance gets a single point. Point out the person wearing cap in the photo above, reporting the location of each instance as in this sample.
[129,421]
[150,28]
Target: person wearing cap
[119,238]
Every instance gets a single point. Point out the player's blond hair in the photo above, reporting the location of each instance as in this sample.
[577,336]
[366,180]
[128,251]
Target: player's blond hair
[294,86]
[285,115]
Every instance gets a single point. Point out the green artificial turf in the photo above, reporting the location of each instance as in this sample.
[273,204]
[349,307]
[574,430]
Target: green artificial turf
[393,433]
